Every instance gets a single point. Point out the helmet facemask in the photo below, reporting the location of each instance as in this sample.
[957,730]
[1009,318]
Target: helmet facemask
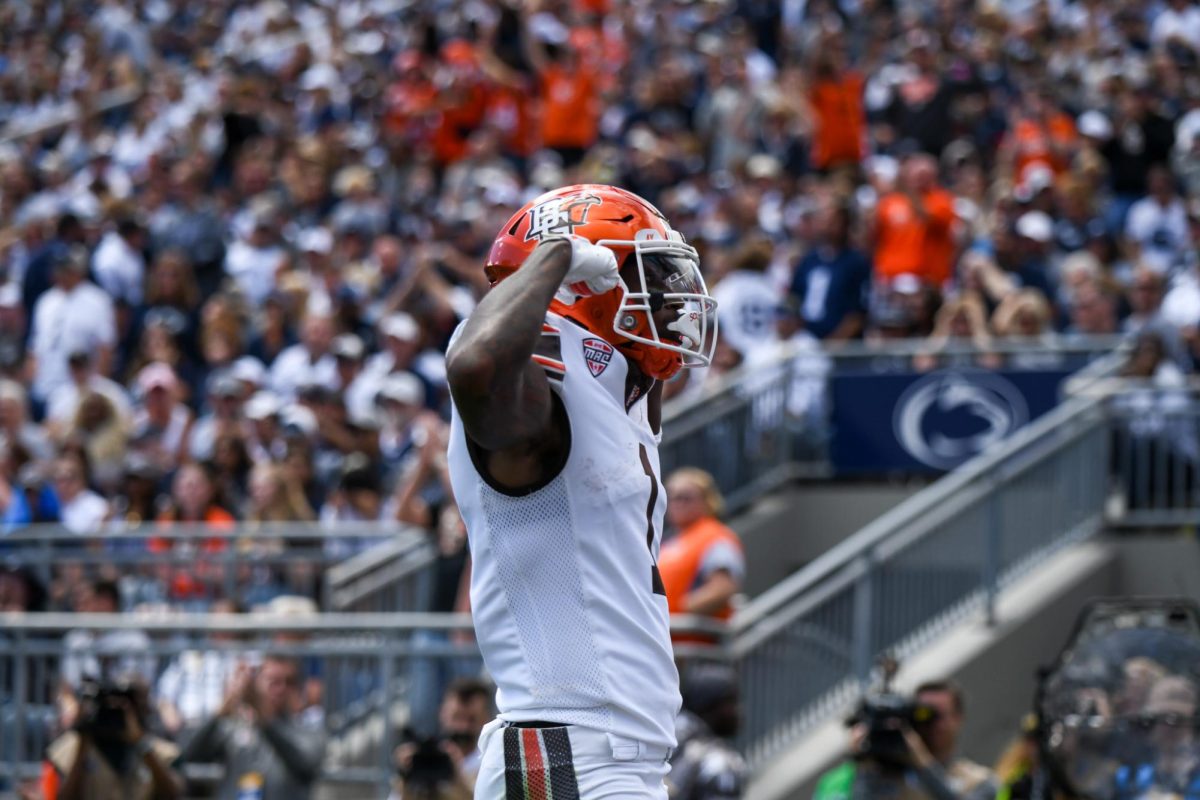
[667,274]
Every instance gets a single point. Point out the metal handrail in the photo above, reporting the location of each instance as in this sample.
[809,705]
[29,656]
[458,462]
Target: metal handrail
[912,511]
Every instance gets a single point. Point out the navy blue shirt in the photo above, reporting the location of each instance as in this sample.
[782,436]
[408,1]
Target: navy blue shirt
[828,284]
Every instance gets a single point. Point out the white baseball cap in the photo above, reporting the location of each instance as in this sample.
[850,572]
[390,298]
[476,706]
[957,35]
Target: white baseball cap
[1036,225]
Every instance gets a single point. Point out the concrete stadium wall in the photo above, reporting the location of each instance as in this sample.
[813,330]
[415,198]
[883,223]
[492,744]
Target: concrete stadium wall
[789,528]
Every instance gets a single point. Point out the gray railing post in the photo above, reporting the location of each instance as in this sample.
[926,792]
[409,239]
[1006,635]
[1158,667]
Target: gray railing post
[387,671]
[864,618]
[20,698]
[992,538]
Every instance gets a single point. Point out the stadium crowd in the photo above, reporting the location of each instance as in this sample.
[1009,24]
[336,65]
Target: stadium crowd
[235,237]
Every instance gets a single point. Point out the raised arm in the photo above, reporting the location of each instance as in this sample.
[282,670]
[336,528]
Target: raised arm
[502,396]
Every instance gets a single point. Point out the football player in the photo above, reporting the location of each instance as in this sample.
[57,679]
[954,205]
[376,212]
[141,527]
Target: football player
[556,380]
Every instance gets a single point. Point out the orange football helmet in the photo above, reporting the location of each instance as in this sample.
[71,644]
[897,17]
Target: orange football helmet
[631,228]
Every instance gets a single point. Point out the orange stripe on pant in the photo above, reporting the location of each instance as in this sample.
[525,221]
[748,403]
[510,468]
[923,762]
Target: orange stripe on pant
[535,767]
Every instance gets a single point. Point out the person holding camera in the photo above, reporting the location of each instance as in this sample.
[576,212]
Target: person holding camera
[445,767]
[904,750]
[706,766]
[267,752]
[108,755]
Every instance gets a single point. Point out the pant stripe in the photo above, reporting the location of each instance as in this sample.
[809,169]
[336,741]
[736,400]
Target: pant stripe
[514,772]
[562,764]
[535,767]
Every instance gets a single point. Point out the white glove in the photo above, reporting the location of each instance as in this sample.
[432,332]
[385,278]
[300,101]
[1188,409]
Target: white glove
[593,271]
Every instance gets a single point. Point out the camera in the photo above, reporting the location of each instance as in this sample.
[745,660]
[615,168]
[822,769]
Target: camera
[886,714]
[102,707]
[430,767]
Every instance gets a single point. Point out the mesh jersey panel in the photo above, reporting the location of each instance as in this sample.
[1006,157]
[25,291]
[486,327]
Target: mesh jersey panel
[556,637]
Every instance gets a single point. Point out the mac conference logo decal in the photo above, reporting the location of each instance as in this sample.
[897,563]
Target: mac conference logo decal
[945,418]
[597,353]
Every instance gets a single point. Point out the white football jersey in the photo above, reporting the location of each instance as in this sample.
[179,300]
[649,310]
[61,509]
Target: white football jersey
[568,605]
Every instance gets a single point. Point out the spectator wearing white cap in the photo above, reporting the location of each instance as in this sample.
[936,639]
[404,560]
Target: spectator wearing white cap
[399,401]
[251,373]
[224,415]
[401,339]
[1035,238]
[161,423]
[255,260]
[357,384]
[74,315]
[265,440]
[309,362]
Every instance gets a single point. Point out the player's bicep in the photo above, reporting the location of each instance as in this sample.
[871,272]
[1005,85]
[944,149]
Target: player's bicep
[502,411]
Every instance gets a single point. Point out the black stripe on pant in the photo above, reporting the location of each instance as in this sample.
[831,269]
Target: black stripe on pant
[514,770]
[562,766]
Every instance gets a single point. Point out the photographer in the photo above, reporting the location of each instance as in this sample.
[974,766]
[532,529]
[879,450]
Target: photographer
[445,768]
[905,751]
[705,765]
[268,754]
[108,755]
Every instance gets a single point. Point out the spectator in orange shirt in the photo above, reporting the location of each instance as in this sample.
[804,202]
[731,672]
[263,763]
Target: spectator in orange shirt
[914,225]
[569,94]
[702,565]
[836,95]
[1041,135]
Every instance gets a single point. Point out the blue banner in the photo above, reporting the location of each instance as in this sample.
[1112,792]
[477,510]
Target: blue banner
[931,422]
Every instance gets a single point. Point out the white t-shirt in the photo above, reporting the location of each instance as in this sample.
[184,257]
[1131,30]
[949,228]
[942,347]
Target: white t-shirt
[294,367]
[63,405]
[120,270]
[253,269]
[569,610]
[1172,24]
[747,303]
[66,322]
[85,513]
[1161,231]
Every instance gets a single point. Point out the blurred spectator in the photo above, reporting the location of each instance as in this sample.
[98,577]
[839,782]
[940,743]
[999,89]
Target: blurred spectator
[255,735]
[162,422]
[111,655]
[81,510]
[960,321]
[1157,232]
[193,685]
[276,497]
[75,315]
[746,300]
[836,95]
[705,766]
[109,753]
[914,226]
[831,282]
[702,564]
[119,264]
[444,766]
[63,406]
[930,768]
[309,362]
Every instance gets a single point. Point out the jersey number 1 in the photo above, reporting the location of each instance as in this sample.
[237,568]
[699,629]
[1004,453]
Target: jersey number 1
[656,584]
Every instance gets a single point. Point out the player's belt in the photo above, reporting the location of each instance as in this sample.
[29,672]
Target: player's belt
[537,762]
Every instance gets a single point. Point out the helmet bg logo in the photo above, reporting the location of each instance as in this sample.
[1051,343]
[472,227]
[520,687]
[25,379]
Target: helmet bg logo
[559,216]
